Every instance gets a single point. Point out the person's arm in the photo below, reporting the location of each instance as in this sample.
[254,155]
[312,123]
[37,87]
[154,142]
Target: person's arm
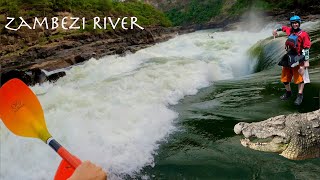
[306,44]
[274,32]
[285,29]
[88,171]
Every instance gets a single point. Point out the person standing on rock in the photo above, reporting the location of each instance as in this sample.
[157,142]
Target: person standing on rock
[296,61]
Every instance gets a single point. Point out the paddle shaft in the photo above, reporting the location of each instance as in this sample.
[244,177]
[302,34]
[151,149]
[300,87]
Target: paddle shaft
[71,159]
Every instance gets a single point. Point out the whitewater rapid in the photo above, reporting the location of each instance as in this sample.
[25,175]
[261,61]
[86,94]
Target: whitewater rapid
[115,111]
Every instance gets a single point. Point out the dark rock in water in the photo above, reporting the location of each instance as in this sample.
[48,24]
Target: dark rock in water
[82,57]
[37,76]
[6,76]
[31,77]
[54,77]
[120,50]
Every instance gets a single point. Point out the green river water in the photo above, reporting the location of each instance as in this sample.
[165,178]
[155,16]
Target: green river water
[205,146]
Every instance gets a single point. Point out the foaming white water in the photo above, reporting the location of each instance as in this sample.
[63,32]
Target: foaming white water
[114,111]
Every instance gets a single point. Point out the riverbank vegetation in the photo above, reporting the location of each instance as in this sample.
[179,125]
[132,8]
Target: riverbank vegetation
[147,15]
[182,12]
[16,43]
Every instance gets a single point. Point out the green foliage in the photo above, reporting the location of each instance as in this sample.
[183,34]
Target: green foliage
[195,12]
[104,5]
[262,5]
[240,6]
[292,4]
[243,5]
[199,11]
[11,7]
[146,14]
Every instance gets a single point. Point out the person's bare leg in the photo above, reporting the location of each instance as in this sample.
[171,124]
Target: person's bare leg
[286,95]
[301,87]
[287,86]
[299,99]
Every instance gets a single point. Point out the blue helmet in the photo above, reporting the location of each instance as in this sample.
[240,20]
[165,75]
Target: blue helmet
[295,19]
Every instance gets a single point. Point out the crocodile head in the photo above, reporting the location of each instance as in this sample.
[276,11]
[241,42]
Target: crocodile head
[295,136]
[266,136]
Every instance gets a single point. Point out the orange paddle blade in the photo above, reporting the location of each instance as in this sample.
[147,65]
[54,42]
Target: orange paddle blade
[21,111]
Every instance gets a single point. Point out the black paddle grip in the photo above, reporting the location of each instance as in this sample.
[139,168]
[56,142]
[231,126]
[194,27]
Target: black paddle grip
[54,145]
